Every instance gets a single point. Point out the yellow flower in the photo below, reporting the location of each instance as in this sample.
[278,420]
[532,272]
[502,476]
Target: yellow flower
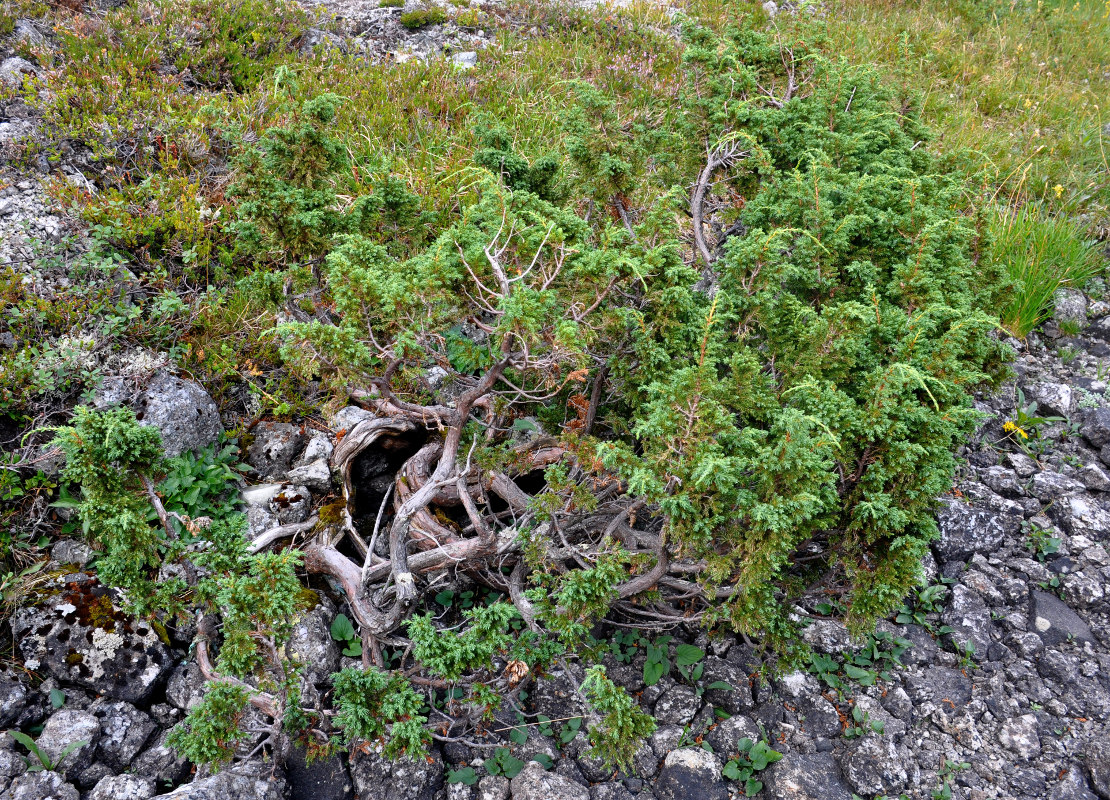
[1028,103]
[1058,189]
[1010,427]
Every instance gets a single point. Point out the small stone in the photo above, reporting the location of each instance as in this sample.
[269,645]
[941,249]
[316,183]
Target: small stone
[493,787]
[1022,464]
[1070,306]
[1055,622]
[63,730]
[1072,787]
[465,60]
[14,69]
[827,636]
[872,766]
[1094,478]
[40,786]
[1048,486]
[251,780]
[804,777]
[678,705]
[72,551]
[315,476]
[966,530]
[1053,399]
[275,446]
[535,783]
[123,787]
[1003,480]
[690,772]
[771,8]
[1020,736]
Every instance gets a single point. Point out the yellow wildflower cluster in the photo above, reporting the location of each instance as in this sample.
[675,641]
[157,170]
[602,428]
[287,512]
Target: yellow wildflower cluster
[1010,427]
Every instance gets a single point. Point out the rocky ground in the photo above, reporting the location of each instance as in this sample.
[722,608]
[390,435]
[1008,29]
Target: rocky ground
[1022,563]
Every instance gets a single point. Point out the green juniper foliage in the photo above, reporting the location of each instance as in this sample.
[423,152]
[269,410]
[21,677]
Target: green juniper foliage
[109,455]
[800,377]
[819,393]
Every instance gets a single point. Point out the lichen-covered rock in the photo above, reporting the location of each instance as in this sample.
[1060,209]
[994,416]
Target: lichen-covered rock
[1053,399]
[249,781]
[1054,621]
[398,779]
[970,619]
[966,530]
[323,779]
[11,766]
[65,729]
[124,731]
[80,636]
[1021,737]
[161,763]
[493,787]
[40,786]
[185,687]
[726,734]
[535,783]
[1097,765]
[690,772]
[19,707]
[873,767]
[272,504]
[813,776]
[123,787]
[315,475]
[678,705]
[275,446]
[181,410]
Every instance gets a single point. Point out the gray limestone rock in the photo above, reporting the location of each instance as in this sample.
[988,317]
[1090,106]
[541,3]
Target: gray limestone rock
[690,772]
[123,787]
[184,413]
[80,636]
[40,786]
[970,618]
[13,71]
[1021,737]
[812,776]
[64,729]
[535,783]
[1053,399]
[872,766]
[1054,621]
[1070,305]
[966,530]
[678,705]
[403,778]
[249,781]
[275,446]
[1072,786]
[19,707]
[315,475]
[161,763]
[124,731]
[313,645]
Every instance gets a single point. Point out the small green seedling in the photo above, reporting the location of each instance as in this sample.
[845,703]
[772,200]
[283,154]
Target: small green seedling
[343,631]
[45,764]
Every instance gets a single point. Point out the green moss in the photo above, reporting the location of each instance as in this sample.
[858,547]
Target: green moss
[73,658]
[307,599]
[160,631]
[332,513]
[424,17]
[391,4]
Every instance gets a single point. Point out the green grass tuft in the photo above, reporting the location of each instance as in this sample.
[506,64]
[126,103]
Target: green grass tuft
[1043,253]
[423,17]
